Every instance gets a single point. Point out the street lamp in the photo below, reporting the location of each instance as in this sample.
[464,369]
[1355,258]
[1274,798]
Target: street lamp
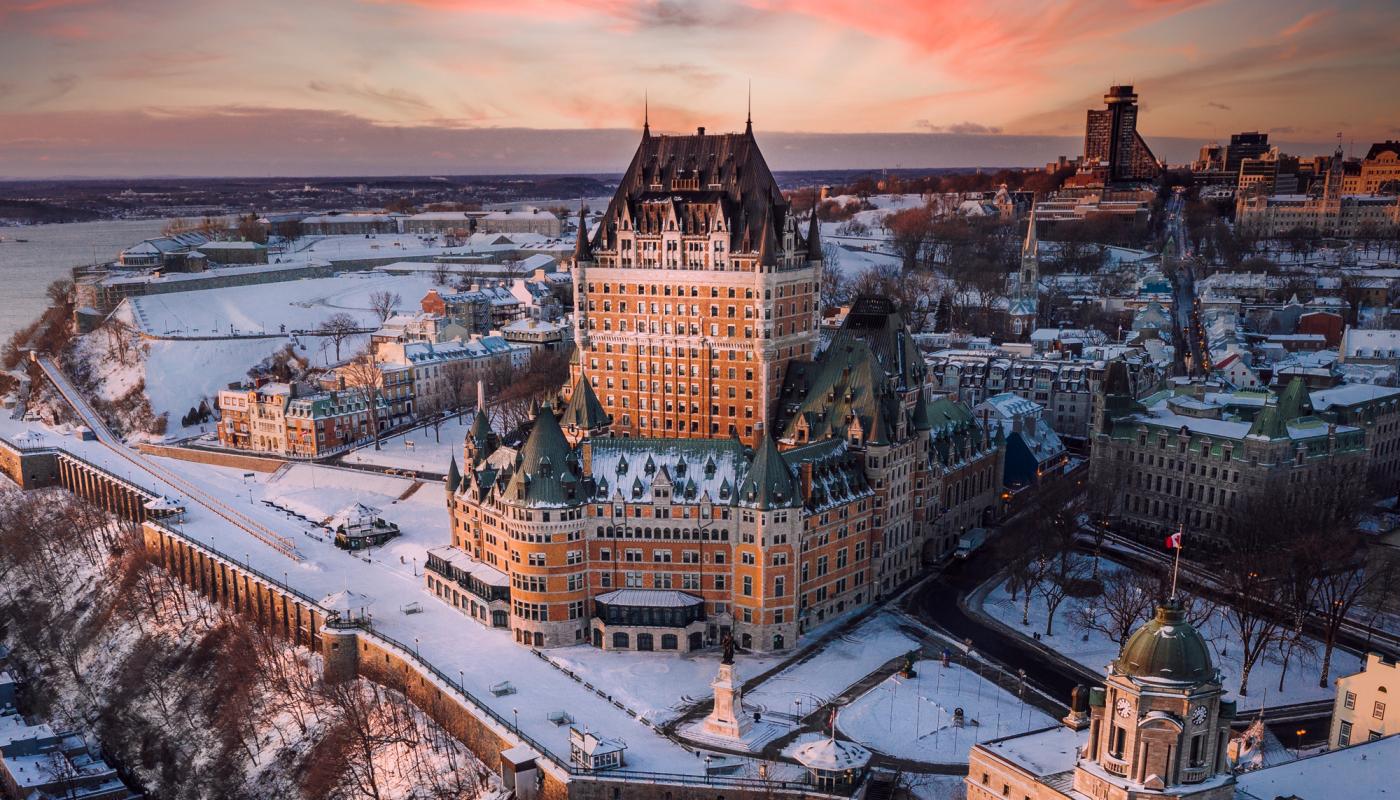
[515,714]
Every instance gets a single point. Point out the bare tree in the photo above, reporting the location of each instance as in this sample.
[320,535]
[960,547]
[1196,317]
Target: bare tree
[442,273]
[1126,601]
[384,302]
[457,380]
[338,327]
[364,377]
[1062,573]
[910,230]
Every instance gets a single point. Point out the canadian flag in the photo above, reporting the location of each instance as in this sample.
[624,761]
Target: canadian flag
[1174,541]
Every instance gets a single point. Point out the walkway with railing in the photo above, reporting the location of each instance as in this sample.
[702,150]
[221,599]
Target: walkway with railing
[94,421]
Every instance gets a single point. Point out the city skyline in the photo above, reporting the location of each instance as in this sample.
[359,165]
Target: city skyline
[419,86]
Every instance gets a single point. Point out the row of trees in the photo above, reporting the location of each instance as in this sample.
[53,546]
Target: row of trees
[1294,575]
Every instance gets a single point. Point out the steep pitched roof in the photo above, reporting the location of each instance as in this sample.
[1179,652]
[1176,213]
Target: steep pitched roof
[1295,401]
[584,410]
[876,321]
[454,476]
[704,170]
[844,384]
[769,482]
[814,237]
[544,473]
[583,248]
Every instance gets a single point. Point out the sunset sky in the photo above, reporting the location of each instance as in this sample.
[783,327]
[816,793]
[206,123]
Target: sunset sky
[144,87]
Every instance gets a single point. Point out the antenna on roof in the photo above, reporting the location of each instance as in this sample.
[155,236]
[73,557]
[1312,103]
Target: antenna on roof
[646,113]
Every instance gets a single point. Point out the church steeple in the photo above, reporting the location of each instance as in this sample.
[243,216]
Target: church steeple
[646,116]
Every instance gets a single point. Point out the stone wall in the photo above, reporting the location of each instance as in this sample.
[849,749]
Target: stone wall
[215,457]
[29,469]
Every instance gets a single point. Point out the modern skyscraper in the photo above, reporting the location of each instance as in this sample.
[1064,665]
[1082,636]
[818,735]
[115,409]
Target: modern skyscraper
[1250,144]
[1111,136]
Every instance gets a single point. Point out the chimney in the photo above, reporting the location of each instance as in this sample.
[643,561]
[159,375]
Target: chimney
[700,131]
[805,474]
[480,395]
[586,452]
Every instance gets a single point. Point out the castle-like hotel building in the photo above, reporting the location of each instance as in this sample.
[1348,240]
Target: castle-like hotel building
[709,472]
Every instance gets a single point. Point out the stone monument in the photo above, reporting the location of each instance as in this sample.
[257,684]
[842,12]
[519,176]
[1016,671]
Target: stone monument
[728,718]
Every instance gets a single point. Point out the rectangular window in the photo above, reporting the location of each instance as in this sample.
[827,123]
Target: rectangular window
[748,586]
[1378,710]
[1350,700]
[1344,735]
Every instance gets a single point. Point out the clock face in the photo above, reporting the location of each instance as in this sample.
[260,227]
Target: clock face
[1125,708]
[1198,715]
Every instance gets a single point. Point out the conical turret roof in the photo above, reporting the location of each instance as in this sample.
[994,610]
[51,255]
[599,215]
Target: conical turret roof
[454,476]
[585,411]
[543,466]
[583,248]
[769,482]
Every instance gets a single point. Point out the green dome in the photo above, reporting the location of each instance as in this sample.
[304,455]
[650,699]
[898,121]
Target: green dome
[1167,649]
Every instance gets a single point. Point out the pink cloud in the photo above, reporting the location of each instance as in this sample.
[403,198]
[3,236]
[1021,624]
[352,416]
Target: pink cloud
[1304,23]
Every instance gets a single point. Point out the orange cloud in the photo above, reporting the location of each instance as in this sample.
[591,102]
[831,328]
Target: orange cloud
[1304,23]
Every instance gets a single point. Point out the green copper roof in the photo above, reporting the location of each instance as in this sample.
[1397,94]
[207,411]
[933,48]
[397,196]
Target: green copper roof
[769,482]
[1269,424]
[584,410]
[920,417]
[877,322]
[845,381]
[454,476]
[544,473]
[1295,401]
[1167,649]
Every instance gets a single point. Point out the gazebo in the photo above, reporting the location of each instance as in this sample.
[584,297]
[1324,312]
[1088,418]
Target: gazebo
[833,764]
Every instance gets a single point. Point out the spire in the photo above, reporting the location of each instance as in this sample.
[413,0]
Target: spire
[480,395]
[583,249]
[454,477]
[748,114]
[814,236]
[769,482]
[768,245]
[1031,247]
[646,115]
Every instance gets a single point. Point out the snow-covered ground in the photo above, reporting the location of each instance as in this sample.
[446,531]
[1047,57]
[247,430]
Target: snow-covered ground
[179,374]
[420,449]
[1095,650]
[655,685]
[264,308]
[844,661]
[913,717]
[386,576]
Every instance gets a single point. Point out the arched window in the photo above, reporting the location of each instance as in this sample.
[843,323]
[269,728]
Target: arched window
[620,641]
[644,641]
[669,641]
[777,641]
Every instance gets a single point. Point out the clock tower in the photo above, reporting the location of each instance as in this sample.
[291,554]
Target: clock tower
[1159,725]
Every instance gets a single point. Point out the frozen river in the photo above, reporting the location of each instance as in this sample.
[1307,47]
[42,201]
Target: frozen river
[27,268]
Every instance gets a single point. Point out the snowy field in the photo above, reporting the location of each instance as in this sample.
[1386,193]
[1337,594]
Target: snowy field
[655,685]
[1095,651]
[173,383]
[420,449]
[844,661]
[299,305]
[913,717]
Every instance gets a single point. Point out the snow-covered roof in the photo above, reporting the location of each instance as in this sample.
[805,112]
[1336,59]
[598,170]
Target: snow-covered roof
[1361,343]
[463,562]
[694,467]
[832,755]
[1356,771]
[1351,394]
[353,515]
[649,598]
[1042,752]
[1010,406]
[346,600]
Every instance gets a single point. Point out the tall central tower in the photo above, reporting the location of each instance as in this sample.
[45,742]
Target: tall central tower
[1111,136]
[695,291]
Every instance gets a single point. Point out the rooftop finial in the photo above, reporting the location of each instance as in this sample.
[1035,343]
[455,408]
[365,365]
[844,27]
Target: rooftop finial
[646,114]
[748,115]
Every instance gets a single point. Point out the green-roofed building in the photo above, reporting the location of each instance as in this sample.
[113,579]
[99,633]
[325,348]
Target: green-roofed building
[1197,455]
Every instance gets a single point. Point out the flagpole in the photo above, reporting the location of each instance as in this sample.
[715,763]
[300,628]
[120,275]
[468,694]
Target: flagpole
[1176,564]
